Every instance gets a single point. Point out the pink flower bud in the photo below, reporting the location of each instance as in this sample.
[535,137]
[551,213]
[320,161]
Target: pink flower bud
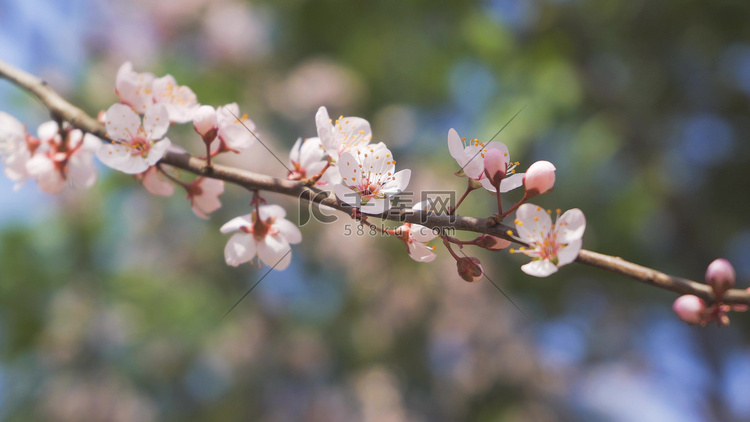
[491,242]
[689,308]
[540,178]
[206,123]
[495,166]
[470,269]
[720,276]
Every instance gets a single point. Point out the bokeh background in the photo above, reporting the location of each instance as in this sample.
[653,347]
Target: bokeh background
[110,299]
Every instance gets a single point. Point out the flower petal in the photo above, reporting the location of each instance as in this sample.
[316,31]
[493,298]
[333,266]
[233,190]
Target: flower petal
[455,146]
[421,252]
[156,122]
[346,195]
[569,253]
[421,233]
[533,223]
[240,248]
[376,206]
[158,149]
[122,123]
[237,222]
[275,252]
[539,268]
[271,210]
[288,230]
[511,182]
[570,226]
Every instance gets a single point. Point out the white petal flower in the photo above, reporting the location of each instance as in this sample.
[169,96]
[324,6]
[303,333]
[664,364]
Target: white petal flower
[470,157]
[550,245]
[344,134]
[61,158]
[203,194]
[264,232]
[179,100]
[369,178]
[307,159]
[416,236]
[135,145]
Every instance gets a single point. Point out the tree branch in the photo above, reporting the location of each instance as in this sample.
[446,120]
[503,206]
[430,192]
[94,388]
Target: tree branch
[63,110]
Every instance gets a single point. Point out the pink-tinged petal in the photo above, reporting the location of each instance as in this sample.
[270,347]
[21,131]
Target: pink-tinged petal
[376,206]
[272,210]
[570,226]
[38,165]
[158,149]
[346,195]
[500,147]
[237,223]
[330,177]
[75,137]
[352,132]
[421,233]
[398,184]
[208,201]
[81,170]
[288,230]
[156,122]
[15,166]
[532,223]
[47,131]
[119,158]
[91,143]
[295,153]
[569,253]
[240,248]
[511,182]
[180,101]
[204,120]
[311,152]
[236,133]
[134,89]
[122,123]
[325,132]
[10,127]
[472,162]
[421,252]
[275,252]
[455,146]
[539,268]
[156,183]
[349,168]
[41,168]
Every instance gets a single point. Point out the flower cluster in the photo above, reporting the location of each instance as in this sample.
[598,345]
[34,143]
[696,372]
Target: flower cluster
[342,160]
[720,276]
[56,157]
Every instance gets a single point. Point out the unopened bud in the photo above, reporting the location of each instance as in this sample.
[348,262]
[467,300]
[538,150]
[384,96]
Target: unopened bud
[540,178]
[206,124]
[469,268]
[689,308]
[720,276]
[495,166]
[491,242]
